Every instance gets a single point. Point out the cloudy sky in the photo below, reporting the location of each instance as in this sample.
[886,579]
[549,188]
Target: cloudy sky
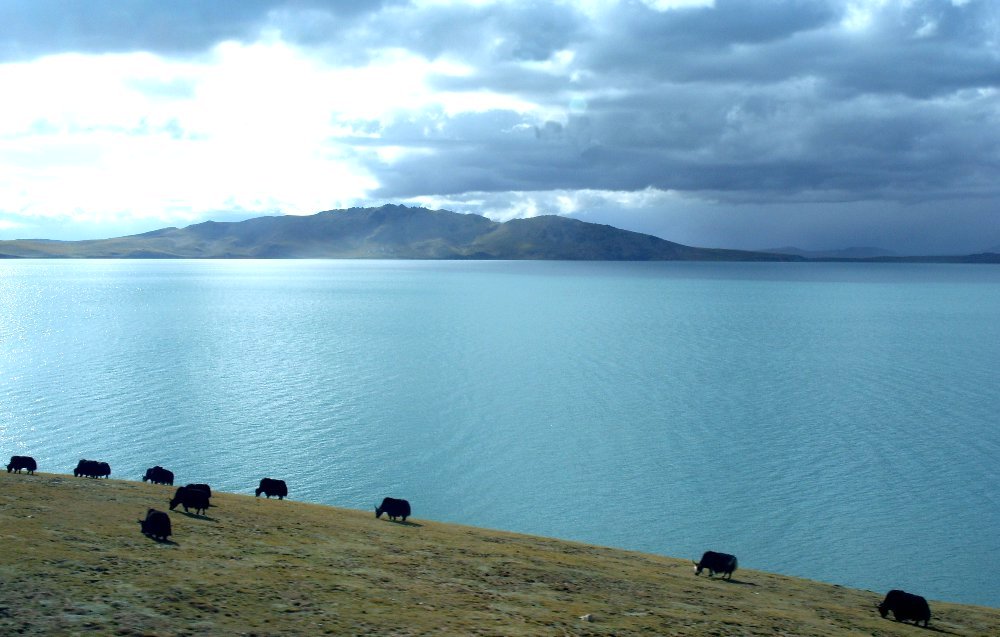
[733,123]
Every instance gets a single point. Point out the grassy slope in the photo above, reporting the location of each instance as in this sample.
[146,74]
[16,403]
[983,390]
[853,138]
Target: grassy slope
[72,560]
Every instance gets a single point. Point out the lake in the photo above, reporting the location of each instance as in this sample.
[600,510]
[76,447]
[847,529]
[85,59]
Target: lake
[832,421]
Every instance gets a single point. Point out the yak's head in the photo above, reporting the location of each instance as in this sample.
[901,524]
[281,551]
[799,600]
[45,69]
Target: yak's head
[883,610]
[174,502]
[697,567]
[378,512]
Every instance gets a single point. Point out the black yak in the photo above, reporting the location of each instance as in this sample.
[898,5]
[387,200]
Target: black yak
[905,607]
[393,508]
[159,475]
[190,498]
[156,525]
[22,462]
[270,486]
[201,487]
[716,563]
[92,469]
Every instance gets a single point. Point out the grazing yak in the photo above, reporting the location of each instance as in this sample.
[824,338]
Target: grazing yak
[393,508]
[156,525]
[159,475]
[270,486]
[189,498]
[22,462]
[716,563]
[905,607]
[92,469]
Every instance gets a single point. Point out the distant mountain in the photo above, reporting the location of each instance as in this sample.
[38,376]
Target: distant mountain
[878,255]
[399,232]
[842,253]
[388,232]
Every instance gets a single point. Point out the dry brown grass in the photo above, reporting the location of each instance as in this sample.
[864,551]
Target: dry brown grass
[72,561]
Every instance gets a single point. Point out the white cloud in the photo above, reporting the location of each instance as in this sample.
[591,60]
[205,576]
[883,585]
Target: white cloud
[504,206]
[254,127]
[84,140]
[669,5]
[860,14]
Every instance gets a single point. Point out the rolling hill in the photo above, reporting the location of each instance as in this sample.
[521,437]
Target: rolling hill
[388,232]
[400,232]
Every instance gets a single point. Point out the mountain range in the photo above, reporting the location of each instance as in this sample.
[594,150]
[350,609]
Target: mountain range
[401,232]
[842,253]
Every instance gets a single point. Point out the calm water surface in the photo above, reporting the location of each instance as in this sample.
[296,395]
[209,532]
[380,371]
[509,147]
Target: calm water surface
[833,421]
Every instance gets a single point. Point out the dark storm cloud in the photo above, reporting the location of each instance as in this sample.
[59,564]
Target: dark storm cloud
[743,101]
[920,48]
[488,37]
[726,24]
[752,145]
[926,49]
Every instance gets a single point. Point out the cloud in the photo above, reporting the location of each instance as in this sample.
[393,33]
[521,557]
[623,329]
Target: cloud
[143,136]
[739,101]
[737,109]
[42,27]
[180,27]
[8,224]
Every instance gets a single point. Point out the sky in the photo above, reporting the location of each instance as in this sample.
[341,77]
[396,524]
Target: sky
[746,124]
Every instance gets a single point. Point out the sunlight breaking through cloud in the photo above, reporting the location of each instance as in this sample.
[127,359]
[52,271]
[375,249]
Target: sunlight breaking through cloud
[276,107]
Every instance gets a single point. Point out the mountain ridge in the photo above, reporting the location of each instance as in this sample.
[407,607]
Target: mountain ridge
[395,231]
[386,232]
[852,252]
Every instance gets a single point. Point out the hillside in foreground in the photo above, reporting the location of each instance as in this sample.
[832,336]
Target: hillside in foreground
[72,561]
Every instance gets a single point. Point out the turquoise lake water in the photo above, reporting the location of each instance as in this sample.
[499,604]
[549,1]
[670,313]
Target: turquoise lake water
[832,421]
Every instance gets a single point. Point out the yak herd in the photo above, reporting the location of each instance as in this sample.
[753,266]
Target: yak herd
[903,606]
